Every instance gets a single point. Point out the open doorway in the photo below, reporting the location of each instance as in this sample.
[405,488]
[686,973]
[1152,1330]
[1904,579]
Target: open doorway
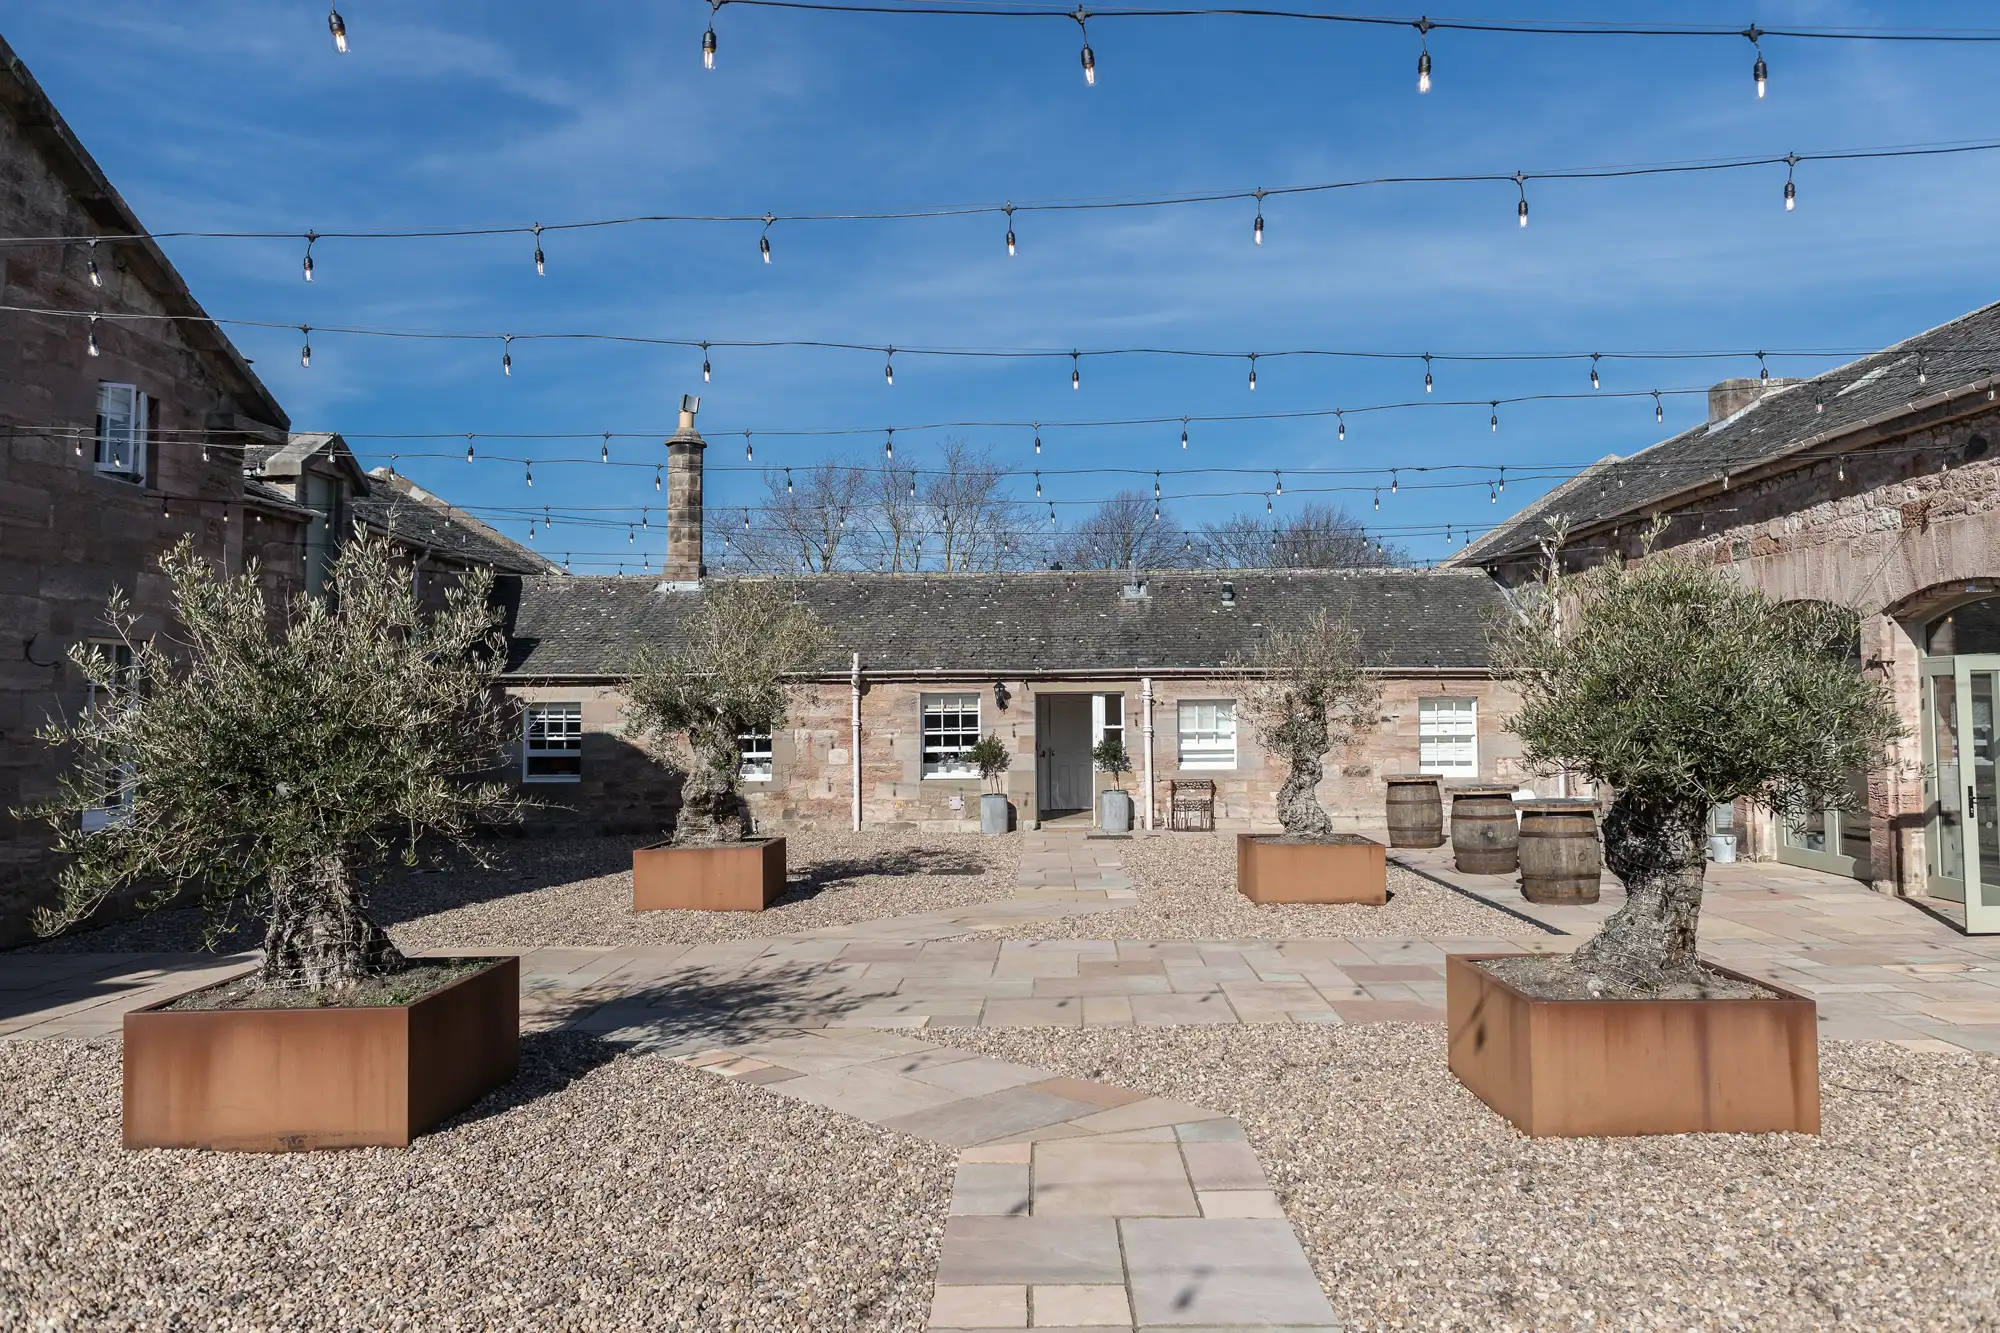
[1062,755]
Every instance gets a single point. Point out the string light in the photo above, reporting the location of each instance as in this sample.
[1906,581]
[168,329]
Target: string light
[708,38]
[305,347]
[1923,371]
[1281,481]
[704,363]
[541,260]
[1840,469]
[1340,434]
[913,488]
[1492,496]
[506,354]
[656,478]
[531,476]
[90,337]
[1257,227]
[337,25]
[1156,486]
[1184,432]
[749,453]
[1378,497]
[1392,481]
[1075,372]
[1791,190]
[889,444]
[1763,371]
[307,267]
[1089,57]
[1038,485]
[631,537]
[1424,27]
[1521,211]
[90,265]
[1503,481]
[1427,372]
[889,368]
[1494,422]
[788,481]
[1760,72]
[1659,408]
[604,450]
[1253,372]
[1038,439]
[468,446]
[764,241]
[1595,383]
[1010,230]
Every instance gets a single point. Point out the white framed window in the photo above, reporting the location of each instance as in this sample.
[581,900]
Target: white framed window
[1208,733]
[951,727]
[1448,737]
[1107,719]
[552,743]
[755,748]
[116,801]
[125,418]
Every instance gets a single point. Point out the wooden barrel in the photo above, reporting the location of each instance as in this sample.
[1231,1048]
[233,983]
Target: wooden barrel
[1560,857]
[1416,811]
[1484,834]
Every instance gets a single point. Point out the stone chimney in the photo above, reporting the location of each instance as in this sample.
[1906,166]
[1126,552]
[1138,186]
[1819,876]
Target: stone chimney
[1729,397]
[684,453]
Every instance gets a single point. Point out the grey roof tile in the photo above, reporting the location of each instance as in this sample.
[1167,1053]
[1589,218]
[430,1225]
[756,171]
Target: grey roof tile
[1027,624]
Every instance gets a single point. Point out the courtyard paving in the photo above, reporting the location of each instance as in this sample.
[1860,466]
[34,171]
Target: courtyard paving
[1079,1203]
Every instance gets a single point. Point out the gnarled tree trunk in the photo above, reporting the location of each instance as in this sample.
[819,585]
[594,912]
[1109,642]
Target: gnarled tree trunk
[1650,941]
[320,936]
[711,811]
[1306,741]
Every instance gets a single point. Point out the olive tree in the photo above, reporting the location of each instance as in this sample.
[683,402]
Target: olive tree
[269,761]
[743,643]
[1307,693]
[1679,688]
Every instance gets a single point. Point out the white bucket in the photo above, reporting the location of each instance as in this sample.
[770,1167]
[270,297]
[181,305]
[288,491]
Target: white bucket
[1722,848]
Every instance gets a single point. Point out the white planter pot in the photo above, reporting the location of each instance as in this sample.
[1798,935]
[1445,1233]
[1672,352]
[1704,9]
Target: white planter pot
[1722,848]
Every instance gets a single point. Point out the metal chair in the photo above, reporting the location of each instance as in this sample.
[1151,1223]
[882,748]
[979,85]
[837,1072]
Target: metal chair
[1191,805]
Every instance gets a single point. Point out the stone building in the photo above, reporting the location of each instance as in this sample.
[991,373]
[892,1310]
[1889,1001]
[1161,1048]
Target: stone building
[922,665]
[1873,486]
[122,435]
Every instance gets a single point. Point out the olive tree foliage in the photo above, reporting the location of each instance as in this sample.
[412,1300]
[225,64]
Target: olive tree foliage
[744,642]
[268,764]
[1679,689]
[1307,693]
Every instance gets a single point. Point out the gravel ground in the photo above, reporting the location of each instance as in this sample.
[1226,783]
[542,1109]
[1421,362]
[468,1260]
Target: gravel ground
[1421,1209]
[597,1192]
[578,892]
[1187,891]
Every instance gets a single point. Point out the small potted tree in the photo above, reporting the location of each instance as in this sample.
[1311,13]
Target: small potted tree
[992,759]
[733,673]
[1114,804]
[270,767]
[1307,693]
[1679,689]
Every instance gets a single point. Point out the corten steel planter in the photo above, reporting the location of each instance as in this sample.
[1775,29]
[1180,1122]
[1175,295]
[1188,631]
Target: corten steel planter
[730,877]
[1576,1068]
[292,1080]
[1343,869]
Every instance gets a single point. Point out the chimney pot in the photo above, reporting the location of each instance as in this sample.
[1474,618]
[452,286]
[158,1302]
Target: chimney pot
[684,499]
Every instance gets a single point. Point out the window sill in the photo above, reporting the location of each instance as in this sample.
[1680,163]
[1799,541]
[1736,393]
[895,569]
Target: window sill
[552,778]
[950,777]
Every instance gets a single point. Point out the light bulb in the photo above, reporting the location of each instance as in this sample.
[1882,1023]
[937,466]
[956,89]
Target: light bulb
[541,260]
[631,537]
[604,450]
[1156,485]
[1424,72]
[1184,432]
[1038,485]
[336,25]
[788,481]
[305,348]
[1760,72]
[1521,211]
[1791,196]
[913,485]
[91,335]
[1253,374]
[1089,65]
[1342,432]
[1595,383]
[1267,509]
[746,520]
[1503,480]
[889,445]
[1038,442]
[1378,497]
[764,247]
[1494,422]
[468,448]
[1009,210]
[1427,381]
[1281,481]
[1257,229]
[531,475]
[1392,481]
[1840,472]
[507,358]
[749,453]
[656,478]
[1075,372]
[1492,496]
[889,372]
[96,278]
[1659,409]
[708,48]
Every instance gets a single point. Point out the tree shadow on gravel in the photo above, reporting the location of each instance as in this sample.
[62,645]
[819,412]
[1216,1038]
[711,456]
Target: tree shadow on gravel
[837,873]
[550,1062]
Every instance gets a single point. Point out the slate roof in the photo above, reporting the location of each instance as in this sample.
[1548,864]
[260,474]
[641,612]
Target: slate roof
[1007,626]
[394,505]
[1953,359]
[267,496]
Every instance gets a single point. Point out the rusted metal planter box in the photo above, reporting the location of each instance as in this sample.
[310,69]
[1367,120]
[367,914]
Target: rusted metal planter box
[1344,869]
[1576,1068]
[291,1080]
[735,877]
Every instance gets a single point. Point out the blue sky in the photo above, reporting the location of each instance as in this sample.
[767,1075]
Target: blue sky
[238,114]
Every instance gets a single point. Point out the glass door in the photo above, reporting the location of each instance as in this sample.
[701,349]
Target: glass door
[1963,786]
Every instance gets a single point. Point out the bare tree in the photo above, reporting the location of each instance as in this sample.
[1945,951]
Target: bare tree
[268,761]
[966,511]
[807,517]
[1123,533]
[1307,693]
[1314,536]
[893,529]
[744,641]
